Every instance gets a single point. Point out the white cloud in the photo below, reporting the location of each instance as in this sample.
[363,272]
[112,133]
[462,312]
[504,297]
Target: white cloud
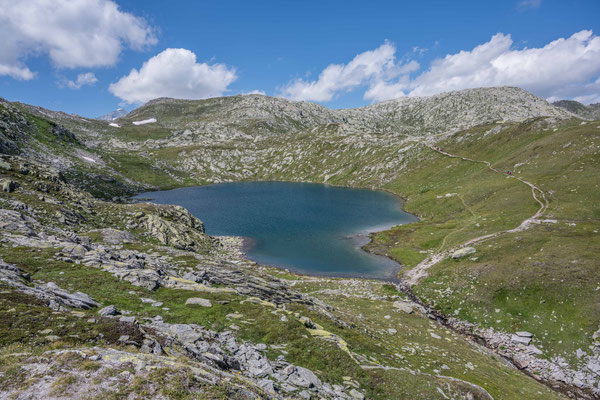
[73,33]
[369,67]
[174,73]
[564,68]
[87,78]
[529,4]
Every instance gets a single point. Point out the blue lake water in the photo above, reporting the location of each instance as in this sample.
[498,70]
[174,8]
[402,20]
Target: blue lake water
[309,228]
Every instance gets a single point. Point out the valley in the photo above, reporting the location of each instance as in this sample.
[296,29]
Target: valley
[498,294]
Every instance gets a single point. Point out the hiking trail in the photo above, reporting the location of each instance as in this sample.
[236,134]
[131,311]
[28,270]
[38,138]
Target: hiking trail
[419,272]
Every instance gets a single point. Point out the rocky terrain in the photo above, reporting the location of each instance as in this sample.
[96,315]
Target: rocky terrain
[101,297]
[590,112]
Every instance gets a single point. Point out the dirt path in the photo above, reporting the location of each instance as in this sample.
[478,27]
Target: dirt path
[420,271]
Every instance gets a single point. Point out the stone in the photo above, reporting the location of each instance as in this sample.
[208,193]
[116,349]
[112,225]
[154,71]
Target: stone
[259,368]
[77,250]
[147,300]
[355,394]
[594,365]
[392,331]
[8,185]
[531,349]
[267,385]
[115,236]
[199,301]
[465,251]
[404,306]
[304,378]
[52,338]
[521,361]
[5,165]
[109,311]
[520,339]
[131,320]
[524,334]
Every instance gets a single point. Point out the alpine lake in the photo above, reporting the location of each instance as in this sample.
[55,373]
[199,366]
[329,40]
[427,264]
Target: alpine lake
[315,229]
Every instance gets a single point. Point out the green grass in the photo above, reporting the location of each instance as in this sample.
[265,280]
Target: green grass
[542,280]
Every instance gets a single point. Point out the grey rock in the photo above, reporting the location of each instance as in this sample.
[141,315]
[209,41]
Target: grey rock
[8,185]
[465,251]
[304,378]
[404,306]
[109,311]
[355,394]
[267,385]
[199,301]
[520,339]
[114,236]
[594,365]
[5,165]
[524,334]
[131,319]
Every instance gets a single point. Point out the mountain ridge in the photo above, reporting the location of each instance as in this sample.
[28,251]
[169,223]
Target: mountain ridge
[527,294]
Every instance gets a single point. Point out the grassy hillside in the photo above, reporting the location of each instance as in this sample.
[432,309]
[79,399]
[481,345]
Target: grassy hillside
[544,279]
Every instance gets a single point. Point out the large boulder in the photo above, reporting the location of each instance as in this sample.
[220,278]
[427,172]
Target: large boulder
[175,226]
[465,251]
[304,378]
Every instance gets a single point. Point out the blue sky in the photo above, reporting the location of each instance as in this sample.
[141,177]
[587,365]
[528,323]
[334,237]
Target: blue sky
[337,53]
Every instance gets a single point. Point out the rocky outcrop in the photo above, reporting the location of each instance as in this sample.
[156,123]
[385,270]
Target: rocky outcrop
[175,226]
[518,348]
[223,351]
[55,297]
[590,112]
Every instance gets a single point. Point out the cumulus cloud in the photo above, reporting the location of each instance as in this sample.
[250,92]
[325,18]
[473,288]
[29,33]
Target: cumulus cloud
[564,68]
[174,73]
[87,78]
[73,33]
[369,67]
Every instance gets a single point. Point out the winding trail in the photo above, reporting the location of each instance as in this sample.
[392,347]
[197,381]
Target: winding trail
[419,272]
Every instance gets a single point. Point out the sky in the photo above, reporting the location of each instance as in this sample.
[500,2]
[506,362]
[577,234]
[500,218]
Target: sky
[90,57]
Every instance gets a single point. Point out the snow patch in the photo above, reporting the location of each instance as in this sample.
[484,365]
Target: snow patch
[115,125]
[146,121]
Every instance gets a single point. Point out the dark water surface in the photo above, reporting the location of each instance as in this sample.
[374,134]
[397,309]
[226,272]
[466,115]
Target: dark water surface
[310,228]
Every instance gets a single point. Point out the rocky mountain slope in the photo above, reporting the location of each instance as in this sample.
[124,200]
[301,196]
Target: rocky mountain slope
[113,115]
[591,111]
[121,299]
